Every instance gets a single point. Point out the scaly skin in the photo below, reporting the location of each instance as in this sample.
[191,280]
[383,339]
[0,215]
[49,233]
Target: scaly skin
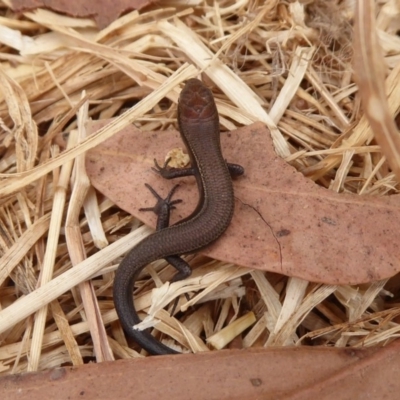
[199,128]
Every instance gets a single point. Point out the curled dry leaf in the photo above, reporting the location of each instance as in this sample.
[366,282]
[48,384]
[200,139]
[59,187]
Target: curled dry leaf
[283,221]
[100,10]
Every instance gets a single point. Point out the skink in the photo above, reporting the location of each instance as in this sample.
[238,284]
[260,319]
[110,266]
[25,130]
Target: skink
[199,127]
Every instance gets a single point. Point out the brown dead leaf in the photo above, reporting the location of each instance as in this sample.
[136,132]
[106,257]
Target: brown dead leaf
[101,10]
[315,373]
[283,221]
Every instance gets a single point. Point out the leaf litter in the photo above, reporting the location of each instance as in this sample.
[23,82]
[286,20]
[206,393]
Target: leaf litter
[287,65]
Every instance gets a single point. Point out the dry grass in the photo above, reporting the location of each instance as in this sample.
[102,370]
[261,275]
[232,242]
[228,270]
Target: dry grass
[284,63]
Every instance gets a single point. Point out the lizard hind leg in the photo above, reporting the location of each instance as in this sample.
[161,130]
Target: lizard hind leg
[163,207]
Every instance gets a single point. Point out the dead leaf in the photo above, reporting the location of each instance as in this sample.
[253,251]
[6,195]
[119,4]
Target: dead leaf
[315,372]
[100,10]
[283,221]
